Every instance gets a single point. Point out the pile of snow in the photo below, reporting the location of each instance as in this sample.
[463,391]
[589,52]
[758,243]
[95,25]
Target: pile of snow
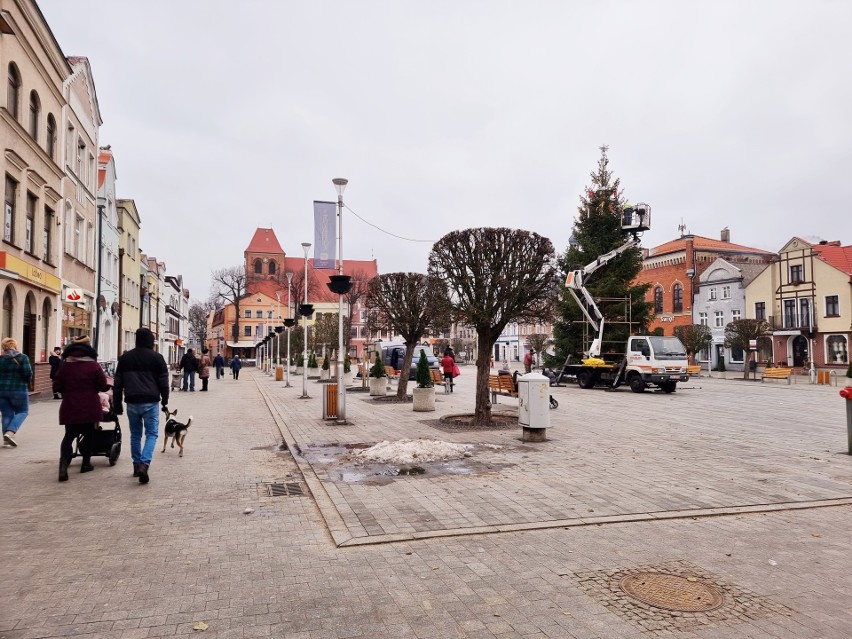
[408,451]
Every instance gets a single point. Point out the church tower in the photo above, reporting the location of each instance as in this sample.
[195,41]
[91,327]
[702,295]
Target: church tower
[264,262]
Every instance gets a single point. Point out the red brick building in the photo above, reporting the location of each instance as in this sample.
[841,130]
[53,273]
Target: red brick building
[672,269]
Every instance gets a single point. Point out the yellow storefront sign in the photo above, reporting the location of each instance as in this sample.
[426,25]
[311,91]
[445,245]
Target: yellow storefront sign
[30,273]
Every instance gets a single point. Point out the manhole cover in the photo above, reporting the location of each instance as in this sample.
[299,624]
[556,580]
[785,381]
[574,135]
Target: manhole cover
[672,592]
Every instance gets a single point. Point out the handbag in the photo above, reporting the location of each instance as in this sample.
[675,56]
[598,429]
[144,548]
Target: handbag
[456,371]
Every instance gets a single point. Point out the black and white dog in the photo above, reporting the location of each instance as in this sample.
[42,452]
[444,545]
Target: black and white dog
[175,429]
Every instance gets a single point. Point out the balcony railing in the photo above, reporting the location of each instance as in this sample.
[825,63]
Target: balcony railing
[792,321]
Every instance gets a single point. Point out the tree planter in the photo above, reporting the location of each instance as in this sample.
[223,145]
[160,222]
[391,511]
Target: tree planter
[325,374]
[424,399]
[300,370]
[313,372]
[378,386]
[347,379]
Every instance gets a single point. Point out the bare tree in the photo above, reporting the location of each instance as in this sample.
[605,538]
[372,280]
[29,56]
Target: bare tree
[538,342]
[228,287]
[197,316]
[695,338]
[298,287]
[412,304]
[495,276]
[740,332]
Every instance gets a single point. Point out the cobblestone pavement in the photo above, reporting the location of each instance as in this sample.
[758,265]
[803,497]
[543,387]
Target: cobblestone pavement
[524,540]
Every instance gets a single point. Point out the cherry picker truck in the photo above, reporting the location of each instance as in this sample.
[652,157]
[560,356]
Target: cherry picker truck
[649,360]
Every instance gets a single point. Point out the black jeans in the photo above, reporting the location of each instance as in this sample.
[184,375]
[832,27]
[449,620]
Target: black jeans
[204,383]
[71,431]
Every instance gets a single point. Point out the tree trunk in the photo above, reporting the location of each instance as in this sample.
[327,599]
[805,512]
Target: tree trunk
[482,414]
[402,384]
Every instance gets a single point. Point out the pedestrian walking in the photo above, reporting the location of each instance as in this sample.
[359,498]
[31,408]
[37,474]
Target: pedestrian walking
[55,360]
[15,375]
[219,364]
[204,369]
[189,365]
[79,380]
[528,361]
[236,365]
[142,380]
[448,364]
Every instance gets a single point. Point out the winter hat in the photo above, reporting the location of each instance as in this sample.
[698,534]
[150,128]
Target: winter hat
[83,339]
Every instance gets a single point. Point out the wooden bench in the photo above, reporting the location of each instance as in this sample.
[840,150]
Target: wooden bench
[693,370]
[501,385]
[777,373]
[438,379]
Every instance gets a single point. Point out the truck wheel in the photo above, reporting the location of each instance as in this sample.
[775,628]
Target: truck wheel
[636,383]
[669,387]
[585,379]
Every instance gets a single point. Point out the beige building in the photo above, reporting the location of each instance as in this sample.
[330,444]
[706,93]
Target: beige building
[81,121]
[31,116]
[806,296]
[129,274]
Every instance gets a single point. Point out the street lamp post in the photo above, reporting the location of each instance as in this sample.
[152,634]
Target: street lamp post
[340,185]
[306,246]
[289,316]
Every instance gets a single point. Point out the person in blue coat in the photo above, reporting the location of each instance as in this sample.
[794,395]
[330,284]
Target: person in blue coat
[236,365]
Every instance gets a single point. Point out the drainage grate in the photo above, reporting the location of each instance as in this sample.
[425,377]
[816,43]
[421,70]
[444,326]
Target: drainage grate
[284,490]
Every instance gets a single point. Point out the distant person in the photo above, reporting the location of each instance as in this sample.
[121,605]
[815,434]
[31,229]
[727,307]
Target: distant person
[219,364]
[55,360]
[528,361]
[15,375]
[448,364]
[204,369]
[236,365]
[142,380]
[79,380]
[189,366]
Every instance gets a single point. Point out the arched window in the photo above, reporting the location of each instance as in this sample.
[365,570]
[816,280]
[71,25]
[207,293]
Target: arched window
[678,297]
[258,266]
[46,315]
[12,93]
[35,115]
[658,299]
[272,267]
[8,310]
[50,141]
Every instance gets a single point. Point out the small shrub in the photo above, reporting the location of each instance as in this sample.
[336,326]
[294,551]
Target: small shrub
[423,375]
[325,364]
[377,369]
[312,361]
[721,367]
[300,360]
[347,365]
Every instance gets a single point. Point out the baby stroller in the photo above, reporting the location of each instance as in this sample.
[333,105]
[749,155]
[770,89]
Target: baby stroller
[107,436]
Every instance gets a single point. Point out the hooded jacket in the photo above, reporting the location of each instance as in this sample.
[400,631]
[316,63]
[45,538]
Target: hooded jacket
[141,376]
[15,371]
[80,379]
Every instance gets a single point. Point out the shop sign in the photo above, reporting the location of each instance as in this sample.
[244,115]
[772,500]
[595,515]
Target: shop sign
[73,295]
[30,273]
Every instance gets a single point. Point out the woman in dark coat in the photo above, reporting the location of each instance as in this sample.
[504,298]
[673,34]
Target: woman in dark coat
[79,380]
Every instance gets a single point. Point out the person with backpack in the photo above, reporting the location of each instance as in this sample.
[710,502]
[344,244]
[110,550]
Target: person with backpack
[15,375]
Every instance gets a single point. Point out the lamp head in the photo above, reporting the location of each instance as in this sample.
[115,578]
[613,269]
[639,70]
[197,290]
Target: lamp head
[340,185]
[306,246]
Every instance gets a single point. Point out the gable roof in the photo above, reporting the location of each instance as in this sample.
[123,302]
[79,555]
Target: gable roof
[264,241]
[321,293]
[840,257]
[700,243]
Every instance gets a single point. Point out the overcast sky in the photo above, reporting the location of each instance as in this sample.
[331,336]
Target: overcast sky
[226,116]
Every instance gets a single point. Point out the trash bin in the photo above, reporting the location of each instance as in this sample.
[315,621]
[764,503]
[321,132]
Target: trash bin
[534,406]
[846,394]
[329,402]
[279,373]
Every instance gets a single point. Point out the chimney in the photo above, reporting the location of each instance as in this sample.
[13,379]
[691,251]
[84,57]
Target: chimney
[726,234]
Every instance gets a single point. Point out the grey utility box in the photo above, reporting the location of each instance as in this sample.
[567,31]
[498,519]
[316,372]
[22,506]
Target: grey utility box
[534,406]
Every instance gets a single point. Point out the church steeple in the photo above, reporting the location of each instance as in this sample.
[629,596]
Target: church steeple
[264,258]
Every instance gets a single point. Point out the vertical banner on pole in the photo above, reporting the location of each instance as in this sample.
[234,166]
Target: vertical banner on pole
[325,216]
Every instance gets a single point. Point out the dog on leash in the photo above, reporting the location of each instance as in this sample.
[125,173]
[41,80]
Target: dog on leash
[175,429]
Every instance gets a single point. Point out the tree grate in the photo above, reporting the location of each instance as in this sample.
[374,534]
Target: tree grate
[284,490]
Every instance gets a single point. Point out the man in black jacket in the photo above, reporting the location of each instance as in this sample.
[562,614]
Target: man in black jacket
[189,366]
[55,360]
[142,380]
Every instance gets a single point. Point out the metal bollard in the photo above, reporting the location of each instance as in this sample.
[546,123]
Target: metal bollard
[846,394]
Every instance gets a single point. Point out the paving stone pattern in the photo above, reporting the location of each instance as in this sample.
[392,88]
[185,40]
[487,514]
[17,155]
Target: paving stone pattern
[102,556]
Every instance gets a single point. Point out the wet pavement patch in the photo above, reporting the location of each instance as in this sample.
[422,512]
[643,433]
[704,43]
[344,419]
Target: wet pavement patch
[675,596]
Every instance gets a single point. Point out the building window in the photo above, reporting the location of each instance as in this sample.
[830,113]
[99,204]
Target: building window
[736,315]
[258,266]
[658,299]
[836,350]
[30,223]
[268,314]
[832,306]
[247,331]
[737,355]
[702,319]
[726,292]
[9,215]
[677,292]
[78,237]
[797,273]
[789,313]
[247,314]
[704,355]
[46,243]
[50,140]
[258,314]
[719,319]
[760,310]
[35,115]
[258,330]
[272,267]
[81,149]
[712,294]
[13,90]
[805,308]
